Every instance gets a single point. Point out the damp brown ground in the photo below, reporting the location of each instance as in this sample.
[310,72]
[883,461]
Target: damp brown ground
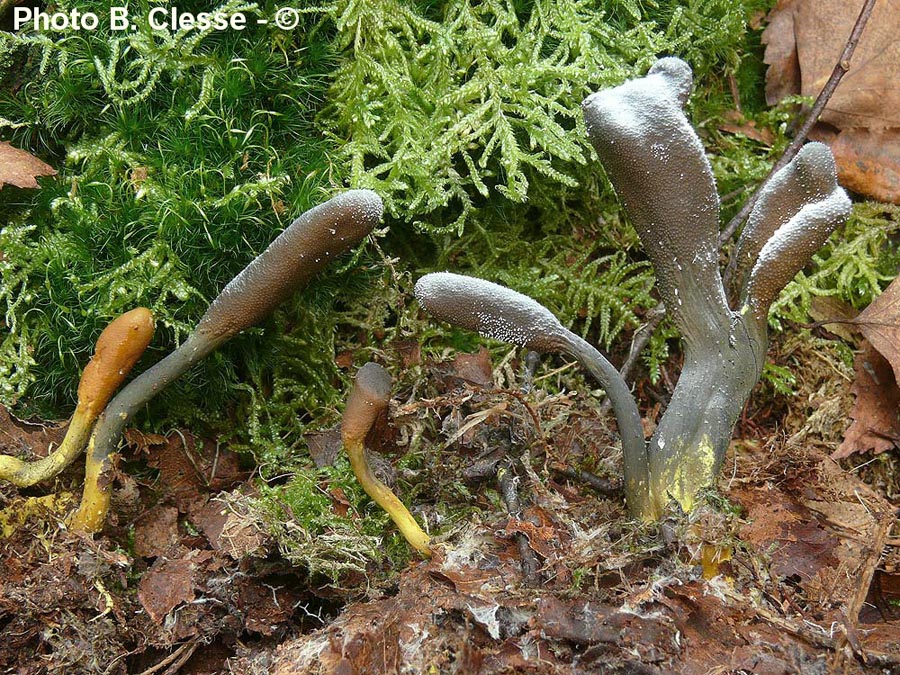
[792,566]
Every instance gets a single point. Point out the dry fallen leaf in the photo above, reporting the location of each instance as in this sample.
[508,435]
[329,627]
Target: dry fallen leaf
[474,368]
[868,159]
[804,40]
[156,531]
[20,168]
[867,96]
[825,308]
[783,75]
[876,425]
[880,324]
[736,123]
[166,585]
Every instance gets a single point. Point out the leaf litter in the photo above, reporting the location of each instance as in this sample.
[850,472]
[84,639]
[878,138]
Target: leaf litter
[861,122]
[20,168]
[769,577]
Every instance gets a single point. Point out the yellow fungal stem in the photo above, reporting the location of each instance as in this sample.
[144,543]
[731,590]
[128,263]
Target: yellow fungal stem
[711,557]
[118,348]
[369,397]
[382,495]
[91,513]
[305,247]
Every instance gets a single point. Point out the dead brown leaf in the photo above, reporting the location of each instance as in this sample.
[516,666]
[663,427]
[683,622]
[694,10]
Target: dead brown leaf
[737,124]
[156,531]
[590,623]
[826,309]
[869,162]
[21,168]
[880,324]
[266,608]
[18,436]
[190,467]
[804,40]
[166,585]
[798,544]
[474,368]
[875,425]
[324,446]
[783,75]
[867,96]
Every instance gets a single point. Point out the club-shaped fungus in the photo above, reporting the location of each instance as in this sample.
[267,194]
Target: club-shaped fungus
[369,397]
[119,347]
[658,167]
[503,314]
[305,247]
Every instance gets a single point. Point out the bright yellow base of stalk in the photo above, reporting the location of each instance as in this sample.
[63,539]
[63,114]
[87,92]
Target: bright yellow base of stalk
[25,474]
[90,516]
[22,509]
[381,494]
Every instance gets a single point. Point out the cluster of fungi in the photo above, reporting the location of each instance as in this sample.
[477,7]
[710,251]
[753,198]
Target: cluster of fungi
[657,165]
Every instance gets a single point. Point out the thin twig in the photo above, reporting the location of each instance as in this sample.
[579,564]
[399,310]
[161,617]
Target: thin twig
[175,659]
[508,483]
[607,488]
[840,69]
[640,339]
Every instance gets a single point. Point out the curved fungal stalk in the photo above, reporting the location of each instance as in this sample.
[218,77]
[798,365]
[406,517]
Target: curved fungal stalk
[657,166]
[306,247]
[502,314]
[370,396]
[119,347]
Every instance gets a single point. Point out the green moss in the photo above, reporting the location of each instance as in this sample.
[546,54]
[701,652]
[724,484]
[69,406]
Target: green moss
[449,106]
[180,156]
[303,516]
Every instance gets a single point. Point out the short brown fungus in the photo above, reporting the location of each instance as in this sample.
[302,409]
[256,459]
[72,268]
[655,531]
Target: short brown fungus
[369,397]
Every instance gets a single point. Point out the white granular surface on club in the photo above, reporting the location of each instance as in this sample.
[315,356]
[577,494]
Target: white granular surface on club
[490,309]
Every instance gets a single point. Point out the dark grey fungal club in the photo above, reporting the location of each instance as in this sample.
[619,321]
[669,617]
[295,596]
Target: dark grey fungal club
[305,248]
[658,167]
[490,309]
[300,252]
[506,315]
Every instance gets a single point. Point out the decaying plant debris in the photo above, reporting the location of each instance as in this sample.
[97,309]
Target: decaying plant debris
[793,543]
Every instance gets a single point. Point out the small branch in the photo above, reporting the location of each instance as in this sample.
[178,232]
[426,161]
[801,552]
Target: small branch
[641,337]
[840,69]
[640,340]
[508,483]
[175,660]
[609,489]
